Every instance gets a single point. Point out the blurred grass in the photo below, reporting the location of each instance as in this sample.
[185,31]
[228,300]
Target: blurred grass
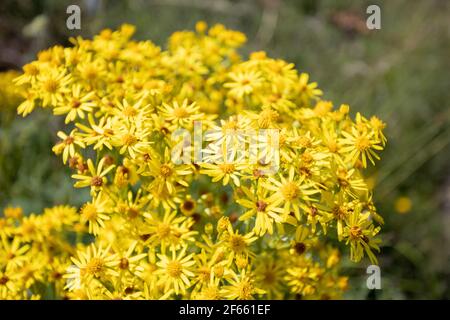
[399,73]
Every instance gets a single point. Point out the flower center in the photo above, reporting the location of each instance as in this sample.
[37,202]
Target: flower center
[51,86]
[180,113]
[31,69]
[300,248]
[95,266]
[165,171]
[227,167]
[188,205]
[76,104]
[89,212]
[69,140]
[355,232]
[163,230]
[261,206]
[174,269]
[269,277]
[362,143]
[245,291]
[129,139]
[290,191]
[97,181]
[204,273]
[129,111]
[124,264]
[237,243]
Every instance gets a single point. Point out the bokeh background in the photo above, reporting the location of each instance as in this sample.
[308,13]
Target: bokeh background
[399,73]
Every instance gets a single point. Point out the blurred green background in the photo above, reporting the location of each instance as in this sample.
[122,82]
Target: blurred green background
[399,73]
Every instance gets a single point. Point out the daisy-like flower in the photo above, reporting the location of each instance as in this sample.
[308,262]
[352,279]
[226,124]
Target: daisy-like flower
[241,286]
[91,70]
[292,192]
[169,231]
[166,174]
[210,291]
[68,144]
[176,270]
[95,262]
[269,274]
[131,112]
[181,115]
[95,178]
[78,103]
[307,90]
[13,212]
[12,254]
[31,228]
[131,139]
[223,171]
[30,73]
[100,134]
[243,82]
[360,145]
[147,271]
[234,127]
[8,284]
[236,243]
[378,126]
[265,119]
[128,261]
[53,86]
[350,183]
[359,231]
[302,278]
[95,213]
[27,106]
[258,205]
[133,206]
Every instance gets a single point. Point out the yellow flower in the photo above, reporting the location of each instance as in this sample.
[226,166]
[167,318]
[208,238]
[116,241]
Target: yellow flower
[241,286]
[68,144]
[238,244]
[243,83]
[269,274]
[13,212]
[78,103]
[100,134]
[171,231]
[175,270]
[95,213]
[292,192]
[96,178]
[360,145]
[360,232]
[223,171]
[166,174]
[53,84]
[182,115]
[93,263]
[261,207]
[12,254]
[403,205]
[131,139]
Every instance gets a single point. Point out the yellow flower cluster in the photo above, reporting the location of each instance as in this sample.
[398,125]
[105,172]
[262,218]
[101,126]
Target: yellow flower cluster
[222,228]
